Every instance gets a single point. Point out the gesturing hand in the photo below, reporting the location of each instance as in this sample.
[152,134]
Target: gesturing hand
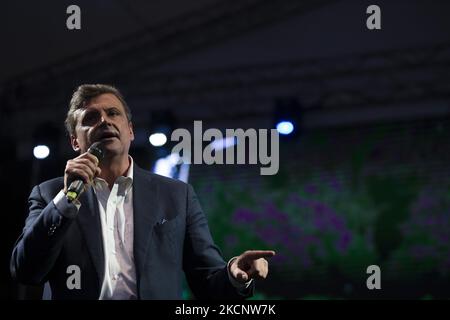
[251,265]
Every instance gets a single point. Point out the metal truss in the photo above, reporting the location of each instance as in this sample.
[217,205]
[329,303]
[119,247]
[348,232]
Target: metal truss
[365,79]
[115,61]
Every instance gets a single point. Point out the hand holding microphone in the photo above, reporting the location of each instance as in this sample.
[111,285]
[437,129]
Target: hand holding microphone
[82,170]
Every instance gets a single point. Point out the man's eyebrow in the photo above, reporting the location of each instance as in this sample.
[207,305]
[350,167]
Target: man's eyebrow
[112,107]
[89,110]
[86,111]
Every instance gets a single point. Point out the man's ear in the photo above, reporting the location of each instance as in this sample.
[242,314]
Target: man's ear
[130,125]
[74,143]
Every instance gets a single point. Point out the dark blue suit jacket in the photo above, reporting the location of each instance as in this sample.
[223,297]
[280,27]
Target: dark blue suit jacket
[171,235]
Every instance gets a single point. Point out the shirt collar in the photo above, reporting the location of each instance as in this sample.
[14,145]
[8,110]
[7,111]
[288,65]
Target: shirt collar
[123,181]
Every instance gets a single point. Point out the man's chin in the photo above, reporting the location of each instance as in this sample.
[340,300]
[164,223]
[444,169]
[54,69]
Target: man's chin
[110,145]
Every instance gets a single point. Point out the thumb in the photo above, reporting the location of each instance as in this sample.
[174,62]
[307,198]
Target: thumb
[241,275]
[238,273]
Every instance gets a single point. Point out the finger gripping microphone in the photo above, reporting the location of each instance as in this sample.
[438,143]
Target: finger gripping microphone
[76,187]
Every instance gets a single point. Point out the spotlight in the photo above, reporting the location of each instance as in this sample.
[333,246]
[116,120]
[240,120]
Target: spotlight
[287,117]
[161,125]
[285,127]
[41,151]
[45,139]
[158,139]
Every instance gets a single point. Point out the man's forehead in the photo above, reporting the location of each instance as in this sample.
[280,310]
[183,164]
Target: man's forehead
[104,101]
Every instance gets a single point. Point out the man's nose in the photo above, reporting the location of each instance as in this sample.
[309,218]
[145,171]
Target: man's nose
[104,118]
[102,121]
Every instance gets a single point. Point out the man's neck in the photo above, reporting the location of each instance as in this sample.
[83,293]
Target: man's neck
[114,168]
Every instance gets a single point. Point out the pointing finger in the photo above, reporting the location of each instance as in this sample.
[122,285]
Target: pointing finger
[257,254]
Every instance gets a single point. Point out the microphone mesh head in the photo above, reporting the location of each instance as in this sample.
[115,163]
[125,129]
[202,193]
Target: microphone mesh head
[97,150]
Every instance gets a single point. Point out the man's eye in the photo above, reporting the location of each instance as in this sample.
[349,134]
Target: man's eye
[113,113]
[90,118]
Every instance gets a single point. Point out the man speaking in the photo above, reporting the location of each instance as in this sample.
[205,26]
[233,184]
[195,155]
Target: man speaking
[130,233]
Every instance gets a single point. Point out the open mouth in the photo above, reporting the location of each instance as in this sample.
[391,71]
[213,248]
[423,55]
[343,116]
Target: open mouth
[107,136]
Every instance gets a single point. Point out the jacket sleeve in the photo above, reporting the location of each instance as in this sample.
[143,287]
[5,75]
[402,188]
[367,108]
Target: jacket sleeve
[206,271]
[40,243]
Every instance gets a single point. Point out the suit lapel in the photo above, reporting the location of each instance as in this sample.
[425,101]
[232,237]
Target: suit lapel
[89,220]
[146,214]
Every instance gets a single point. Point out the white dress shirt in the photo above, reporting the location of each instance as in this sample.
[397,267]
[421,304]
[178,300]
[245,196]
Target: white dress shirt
[116,216]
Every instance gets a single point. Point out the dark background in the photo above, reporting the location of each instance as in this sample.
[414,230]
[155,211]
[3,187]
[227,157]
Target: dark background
[365,179]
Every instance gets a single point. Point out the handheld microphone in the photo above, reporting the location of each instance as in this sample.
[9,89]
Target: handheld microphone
[76,187]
